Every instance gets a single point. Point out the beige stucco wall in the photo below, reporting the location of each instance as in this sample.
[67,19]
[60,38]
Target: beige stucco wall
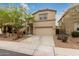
[44,23]
[44,27]
[51,15]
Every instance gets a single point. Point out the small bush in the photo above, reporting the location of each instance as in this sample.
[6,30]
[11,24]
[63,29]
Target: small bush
[75,34]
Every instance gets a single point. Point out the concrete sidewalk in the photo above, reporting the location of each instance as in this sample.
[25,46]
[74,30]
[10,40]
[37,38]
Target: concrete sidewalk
[66,52]
[35,45]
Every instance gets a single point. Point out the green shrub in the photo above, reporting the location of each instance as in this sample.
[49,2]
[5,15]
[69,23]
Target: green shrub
[75,34]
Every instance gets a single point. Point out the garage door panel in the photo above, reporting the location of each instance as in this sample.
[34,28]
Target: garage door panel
[44,31]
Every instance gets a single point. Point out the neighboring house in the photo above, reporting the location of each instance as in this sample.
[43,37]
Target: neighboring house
[69,22]
[44,22]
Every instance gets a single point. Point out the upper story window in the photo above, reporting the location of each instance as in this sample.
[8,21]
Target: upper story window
[43,16]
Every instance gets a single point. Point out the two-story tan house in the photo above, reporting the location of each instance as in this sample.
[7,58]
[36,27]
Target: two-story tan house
[44,22]
[69,22]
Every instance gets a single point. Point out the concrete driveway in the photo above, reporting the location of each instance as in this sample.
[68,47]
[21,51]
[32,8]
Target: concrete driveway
[35,45]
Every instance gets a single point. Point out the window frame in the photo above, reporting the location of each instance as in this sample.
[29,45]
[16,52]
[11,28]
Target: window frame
[43,16]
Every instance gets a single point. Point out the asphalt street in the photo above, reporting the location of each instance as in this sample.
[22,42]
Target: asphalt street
[11,53]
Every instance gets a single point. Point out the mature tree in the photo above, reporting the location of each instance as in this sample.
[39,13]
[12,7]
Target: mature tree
[16,16]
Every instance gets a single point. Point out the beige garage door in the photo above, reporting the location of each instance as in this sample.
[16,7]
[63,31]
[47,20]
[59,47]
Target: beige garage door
[44,31]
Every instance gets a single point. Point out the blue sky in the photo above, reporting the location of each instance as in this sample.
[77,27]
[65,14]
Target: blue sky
[59,7]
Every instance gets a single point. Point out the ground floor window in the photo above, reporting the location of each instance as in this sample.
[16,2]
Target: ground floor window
[76,26]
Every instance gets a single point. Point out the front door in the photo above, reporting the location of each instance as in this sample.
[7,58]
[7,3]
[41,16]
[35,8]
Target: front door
[30,29]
